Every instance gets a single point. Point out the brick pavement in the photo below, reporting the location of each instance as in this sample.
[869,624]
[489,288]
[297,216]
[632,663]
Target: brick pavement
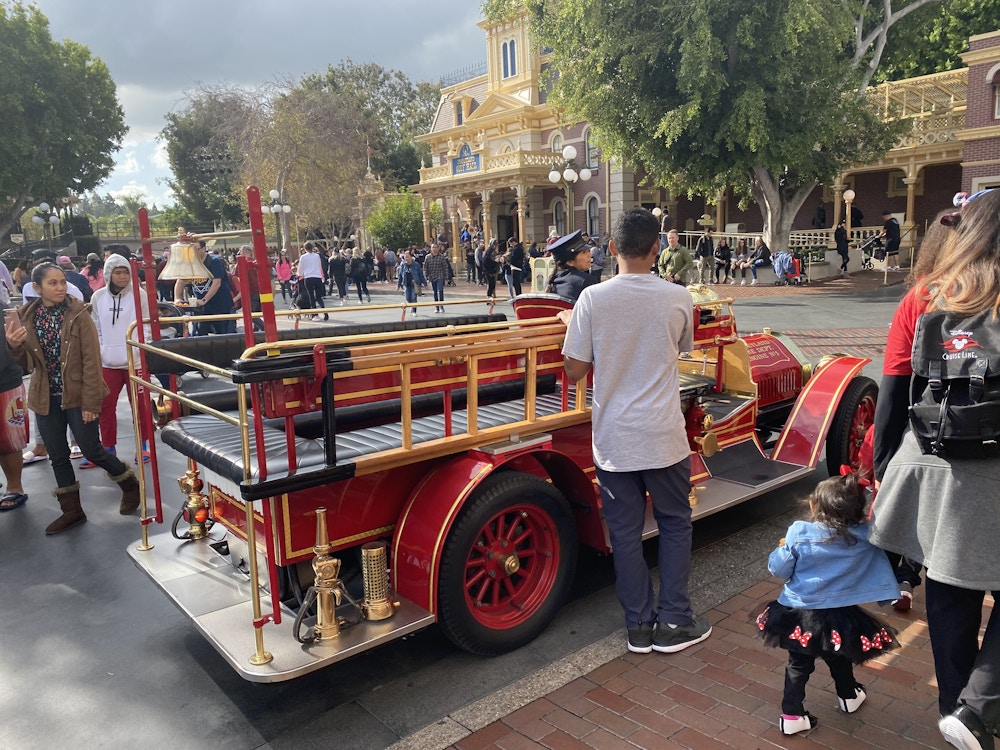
[726,693]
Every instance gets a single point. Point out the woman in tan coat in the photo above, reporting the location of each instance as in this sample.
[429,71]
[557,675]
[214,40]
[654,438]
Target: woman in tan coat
[54,339]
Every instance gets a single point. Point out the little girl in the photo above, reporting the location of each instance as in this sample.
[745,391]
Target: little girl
[829,568]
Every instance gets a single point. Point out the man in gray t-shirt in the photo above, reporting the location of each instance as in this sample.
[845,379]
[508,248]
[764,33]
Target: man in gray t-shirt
[630,330]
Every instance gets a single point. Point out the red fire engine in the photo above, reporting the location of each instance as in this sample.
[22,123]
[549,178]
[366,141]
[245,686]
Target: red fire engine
[350,484]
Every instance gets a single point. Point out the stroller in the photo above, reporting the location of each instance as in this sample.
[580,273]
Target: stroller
[787,268]
[871,250]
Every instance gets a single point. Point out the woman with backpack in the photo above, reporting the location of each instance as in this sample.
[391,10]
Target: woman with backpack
[360,271]
[943,510]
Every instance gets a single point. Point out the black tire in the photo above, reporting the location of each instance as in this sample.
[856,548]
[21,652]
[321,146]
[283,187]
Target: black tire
[513,606]
[854,414]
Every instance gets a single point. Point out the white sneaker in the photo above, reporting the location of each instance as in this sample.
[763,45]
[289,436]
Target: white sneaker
[753,283]
[850,705]
[794,724]
[743,283]
[732,281]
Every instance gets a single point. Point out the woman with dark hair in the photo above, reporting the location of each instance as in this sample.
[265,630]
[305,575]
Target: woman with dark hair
[283,274]
[572,274]
[57,344]
[944,512]
[491,267]
[93,271]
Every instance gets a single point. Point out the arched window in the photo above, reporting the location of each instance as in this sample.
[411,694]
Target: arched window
[557,142]
[593,217]
[509,54]
[559,217]
[589,151]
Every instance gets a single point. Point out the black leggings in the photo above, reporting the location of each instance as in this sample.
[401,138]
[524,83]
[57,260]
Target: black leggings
[801,666]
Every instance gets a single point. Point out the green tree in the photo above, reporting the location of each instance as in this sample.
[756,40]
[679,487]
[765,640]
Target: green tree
[765,97]
[933,39]
[62,122]
[390,110]
[398,220]
[206,148]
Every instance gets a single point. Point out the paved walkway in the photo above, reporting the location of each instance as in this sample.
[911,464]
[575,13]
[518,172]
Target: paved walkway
[726,693]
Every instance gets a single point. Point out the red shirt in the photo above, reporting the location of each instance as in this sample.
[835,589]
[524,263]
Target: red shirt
[899,342]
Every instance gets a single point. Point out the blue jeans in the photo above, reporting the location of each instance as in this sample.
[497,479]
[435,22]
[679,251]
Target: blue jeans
[437,285]
[623,495]
[410,291]
[757,264]
[52,429]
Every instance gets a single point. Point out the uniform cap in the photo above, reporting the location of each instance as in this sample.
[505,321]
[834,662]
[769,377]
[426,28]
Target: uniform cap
[565,248]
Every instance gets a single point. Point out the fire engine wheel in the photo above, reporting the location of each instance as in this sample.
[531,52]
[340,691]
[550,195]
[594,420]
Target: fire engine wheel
[855,414]
[507,564]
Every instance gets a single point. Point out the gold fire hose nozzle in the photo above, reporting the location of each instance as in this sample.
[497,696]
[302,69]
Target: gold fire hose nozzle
[327,582]
[693,495]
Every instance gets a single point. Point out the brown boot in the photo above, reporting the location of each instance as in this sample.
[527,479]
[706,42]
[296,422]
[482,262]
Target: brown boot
[72,513]
[130,492]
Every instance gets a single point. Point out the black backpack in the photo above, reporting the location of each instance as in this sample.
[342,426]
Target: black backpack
[955,391]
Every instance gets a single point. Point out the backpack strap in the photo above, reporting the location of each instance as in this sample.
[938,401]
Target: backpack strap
[977,379]
[937,445]
[934,371]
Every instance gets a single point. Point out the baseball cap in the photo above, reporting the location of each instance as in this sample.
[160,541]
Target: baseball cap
[64,260]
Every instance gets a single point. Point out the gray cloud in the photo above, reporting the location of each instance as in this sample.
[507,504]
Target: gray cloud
[156,50]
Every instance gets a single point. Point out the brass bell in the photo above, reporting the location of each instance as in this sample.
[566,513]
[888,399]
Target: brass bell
[184,263]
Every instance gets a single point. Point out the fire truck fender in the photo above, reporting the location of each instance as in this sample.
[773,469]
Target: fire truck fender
[424,523]
[822,404]
[428,516]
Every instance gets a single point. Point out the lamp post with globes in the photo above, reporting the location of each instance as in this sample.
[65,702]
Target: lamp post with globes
[849,196]
[568,175]
[45,215]
[280,211]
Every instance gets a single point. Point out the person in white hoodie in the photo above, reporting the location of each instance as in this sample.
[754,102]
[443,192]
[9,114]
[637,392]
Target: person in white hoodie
[113,310]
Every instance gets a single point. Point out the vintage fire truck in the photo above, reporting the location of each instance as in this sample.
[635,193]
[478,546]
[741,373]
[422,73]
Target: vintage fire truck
[349,484]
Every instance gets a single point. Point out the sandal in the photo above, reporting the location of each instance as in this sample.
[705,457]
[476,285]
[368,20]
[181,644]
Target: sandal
[13,500]
[30,457]
[75,452]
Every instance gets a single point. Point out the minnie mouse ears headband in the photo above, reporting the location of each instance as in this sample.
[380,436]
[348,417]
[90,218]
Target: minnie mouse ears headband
[961,200]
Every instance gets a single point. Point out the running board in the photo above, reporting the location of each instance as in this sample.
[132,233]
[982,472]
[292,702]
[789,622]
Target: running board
[216,598]
[716,494]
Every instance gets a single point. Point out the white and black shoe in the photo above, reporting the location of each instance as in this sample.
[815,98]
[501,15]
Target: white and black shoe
[963,728]
[797,724]
[850,705]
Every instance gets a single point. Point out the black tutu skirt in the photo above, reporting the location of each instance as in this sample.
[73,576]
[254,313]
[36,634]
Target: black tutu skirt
[842,631]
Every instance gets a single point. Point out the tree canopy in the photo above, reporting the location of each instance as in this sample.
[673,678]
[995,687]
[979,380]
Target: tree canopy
[764,97]
[311,140]
[398,220]
[933,38]
[62,122]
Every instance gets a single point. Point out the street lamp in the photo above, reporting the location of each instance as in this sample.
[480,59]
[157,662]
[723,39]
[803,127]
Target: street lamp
[279,210]
[849,196]
[568,175]
[44,217]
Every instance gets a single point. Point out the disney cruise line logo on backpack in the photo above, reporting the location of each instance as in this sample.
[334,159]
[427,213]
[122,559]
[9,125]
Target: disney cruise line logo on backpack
[955,392]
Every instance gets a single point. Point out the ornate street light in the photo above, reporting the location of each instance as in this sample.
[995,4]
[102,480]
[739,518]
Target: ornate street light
[849,196]
[279,209]
[45,215]
[569,176]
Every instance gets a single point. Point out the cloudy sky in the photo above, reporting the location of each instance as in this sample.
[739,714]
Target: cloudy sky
[157,50]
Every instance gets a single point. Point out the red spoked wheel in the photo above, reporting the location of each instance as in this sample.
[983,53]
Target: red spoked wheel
[507,564]
[855,414]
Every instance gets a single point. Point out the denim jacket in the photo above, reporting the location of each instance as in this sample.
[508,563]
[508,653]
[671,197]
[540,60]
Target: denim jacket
[821,573]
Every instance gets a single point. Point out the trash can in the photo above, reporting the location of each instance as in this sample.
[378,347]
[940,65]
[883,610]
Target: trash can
[541,270]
